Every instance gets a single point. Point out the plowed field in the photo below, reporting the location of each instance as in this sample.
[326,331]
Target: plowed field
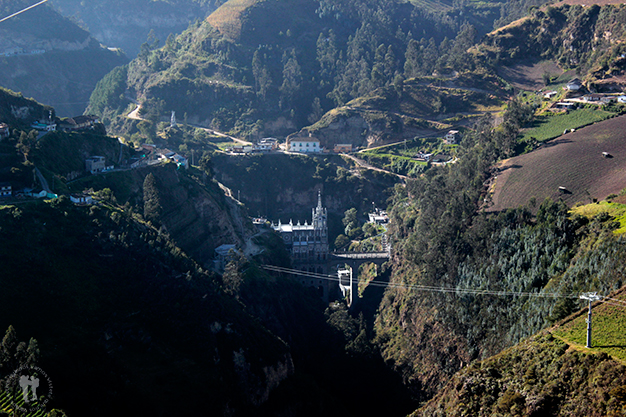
[573,161]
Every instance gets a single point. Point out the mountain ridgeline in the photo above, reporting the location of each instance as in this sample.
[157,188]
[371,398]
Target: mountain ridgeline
[46,56]
[238,72]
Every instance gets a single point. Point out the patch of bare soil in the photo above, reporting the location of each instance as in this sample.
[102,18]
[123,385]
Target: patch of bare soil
[571,167]
[529,77]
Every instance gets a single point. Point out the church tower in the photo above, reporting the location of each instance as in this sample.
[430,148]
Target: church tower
[319,215]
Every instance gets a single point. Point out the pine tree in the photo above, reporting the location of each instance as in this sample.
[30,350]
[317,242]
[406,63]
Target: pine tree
[152,209]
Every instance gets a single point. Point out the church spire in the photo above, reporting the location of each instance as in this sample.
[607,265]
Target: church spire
[319,199]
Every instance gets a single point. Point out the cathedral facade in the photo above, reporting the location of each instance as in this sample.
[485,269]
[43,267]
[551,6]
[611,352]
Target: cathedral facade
[307,243]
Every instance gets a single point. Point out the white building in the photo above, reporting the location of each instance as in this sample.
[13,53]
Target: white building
[452,137]
[305,145]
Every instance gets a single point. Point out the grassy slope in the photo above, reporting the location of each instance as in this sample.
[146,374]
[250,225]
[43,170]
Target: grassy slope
[608,328]
[540,376]
[550,126]
[573,161]
[613,209]
[548,374]
[227,18]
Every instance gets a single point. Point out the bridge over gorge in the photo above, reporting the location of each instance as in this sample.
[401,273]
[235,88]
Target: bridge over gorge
[337,276]
[308,247]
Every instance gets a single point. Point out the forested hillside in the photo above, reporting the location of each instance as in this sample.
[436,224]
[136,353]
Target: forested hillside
[589,39]
[443,240]
[238,72]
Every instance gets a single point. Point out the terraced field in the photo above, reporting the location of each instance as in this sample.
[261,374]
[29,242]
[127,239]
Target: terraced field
[573,161]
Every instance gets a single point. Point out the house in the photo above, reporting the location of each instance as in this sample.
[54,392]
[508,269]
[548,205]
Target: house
[78,123]
[4,130]
[423,157]
[549,94]
[621,99]
[95,164]
[452,137]
[574,85]
[81,199]
[378,217]
[562,105]
[5,190]
[593,98]
[266,145]
[223,255]
[44,126]
[180,160]
[304,144]
[343,148]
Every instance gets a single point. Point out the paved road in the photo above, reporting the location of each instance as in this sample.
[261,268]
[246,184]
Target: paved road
[135,115]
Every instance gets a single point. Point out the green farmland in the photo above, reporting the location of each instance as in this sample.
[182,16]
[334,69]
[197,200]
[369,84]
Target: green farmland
[550,126]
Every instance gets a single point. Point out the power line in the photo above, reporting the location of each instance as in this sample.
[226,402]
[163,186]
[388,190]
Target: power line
[22,11]
[429,288]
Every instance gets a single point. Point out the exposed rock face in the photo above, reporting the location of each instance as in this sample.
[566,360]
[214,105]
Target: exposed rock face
[197,220]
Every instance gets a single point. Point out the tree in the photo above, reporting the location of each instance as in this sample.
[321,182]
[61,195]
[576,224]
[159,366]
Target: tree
[292,79]
[152,209]
[412,59]
[262,78]
[316,111]
[350,220]
[341,241]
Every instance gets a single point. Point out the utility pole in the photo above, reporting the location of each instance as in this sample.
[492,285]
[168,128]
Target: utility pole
[591,297]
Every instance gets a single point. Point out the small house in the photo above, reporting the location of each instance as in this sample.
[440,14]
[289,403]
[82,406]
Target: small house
[621,99]
[304,144]
[592,98]
[223,255]
[574,85]
[81,199]
[95,164]
[452,137]
[564,105]
[5,190]
[549,94]
[343,148]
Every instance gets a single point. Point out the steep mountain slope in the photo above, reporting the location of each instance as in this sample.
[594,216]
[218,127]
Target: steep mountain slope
[18,111]
[540,376]
[114,304]
[587,38]
[47,57]
[127,25]
[444,241]
[272,67]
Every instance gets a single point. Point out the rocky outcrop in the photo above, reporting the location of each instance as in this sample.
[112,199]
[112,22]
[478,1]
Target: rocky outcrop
[198,217]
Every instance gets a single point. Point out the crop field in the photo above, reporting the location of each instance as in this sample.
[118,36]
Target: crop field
[573,161]
[608,332]
[549,126]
